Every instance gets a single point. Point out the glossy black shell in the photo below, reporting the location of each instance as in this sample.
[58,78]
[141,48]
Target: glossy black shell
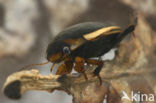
[93,48]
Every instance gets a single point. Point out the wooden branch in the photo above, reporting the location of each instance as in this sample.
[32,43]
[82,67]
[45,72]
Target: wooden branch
[129,64]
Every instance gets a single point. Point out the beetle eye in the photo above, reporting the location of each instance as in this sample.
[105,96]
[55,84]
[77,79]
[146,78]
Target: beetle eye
[66,50]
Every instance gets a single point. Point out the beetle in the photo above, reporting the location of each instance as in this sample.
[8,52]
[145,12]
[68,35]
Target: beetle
[77,44]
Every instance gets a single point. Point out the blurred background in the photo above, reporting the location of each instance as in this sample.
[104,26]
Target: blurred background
[28,26]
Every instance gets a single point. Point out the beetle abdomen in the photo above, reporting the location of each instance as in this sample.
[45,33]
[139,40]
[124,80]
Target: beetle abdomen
[96,48]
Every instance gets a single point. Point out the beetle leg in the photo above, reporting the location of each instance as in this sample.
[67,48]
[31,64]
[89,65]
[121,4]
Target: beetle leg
[61,69]
[98,69]
[134,23]
[65,68]
[79,66]
[133,34]
[52,67]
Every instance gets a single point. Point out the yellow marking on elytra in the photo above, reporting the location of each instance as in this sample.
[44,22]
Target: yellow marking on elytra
[104,31]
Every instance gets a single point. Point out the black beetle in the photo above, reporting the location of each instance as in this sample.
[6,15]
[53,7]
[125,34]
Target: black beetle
[78,43]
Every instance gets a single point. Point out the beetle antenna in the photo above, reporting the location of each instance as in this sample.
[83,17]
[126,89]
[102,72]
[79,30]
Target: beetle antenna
[33,65]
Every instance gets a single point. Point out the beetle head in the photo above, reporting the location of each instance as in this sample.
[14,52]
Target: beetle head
[57,51]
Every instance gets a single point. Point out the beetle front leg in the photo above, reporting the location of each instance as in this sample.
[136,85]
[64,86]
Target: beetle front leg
[79,66]
[65,68]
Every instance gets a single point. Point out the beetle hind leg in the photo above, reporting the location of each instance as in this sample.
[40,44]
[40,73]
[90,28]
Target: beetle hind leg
[96,72]
[79,66]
